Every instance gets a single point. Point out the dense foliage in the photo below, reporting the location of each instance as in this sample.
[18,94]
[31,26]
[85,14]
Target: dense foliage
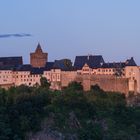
[93,115]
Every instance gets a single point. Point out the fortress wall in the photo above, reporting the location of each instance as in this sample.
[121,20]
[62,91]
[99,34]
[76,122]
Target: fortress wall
[111,83]
[67,77]
[106,82]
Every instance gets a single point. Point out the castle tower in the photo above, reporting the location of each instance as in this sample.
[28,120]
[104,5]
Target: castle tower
[38,58]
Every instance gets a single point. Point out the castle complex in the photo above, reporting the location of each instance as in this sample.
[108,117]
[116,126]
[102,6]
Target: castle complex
[89,70]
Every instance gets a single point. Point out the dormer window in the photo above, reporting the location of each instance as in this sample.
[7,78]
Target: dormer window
[101,63]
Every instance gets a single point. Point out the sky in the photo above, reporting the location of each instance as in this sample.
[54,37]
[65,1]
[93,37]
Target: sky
[66,28]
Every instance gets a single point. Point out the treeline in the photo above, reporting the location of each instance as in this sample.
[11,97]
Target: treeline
[94,115]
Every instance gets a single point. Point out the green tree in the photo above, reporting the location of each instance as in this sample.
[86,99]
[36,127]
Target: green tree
[75,86]
[44,83]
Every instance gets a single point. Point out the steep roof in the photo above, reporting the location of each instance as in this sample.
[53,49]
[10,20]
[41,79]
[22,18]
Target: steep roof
[128,62]
[37,70]
[38,49]
[26,67]
[93,61]
[11,61]
[63,64]
[114,65]
[49,66]
[29,68]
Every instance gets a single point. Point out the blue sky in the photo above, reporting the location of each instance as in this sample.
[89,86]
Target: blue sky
[66,28]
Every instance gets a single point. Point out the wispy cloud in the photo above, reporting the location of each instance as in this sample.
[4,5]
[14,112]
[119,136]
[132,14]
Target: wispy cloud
[15,35]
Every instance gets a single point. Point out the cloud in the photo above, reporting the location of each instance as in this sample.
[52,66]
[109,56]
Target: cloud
[14,35]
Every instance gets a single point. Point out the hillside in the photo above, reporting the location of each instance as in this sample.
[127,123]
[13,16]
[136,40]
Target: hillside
[71,114]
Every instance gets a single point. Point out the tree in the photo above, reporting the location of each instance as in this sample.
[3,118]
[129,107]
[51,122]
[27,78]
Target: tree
[75,86]
[44,83]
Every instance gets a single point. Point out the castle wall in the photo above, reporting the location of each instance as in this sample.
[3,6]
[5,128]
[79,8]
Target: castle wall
[67,77]
[106,82]
[60,79]
[111,83]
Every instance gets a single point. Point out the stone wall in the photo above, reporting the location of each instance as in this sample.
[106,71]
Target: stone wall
[106,82]
[67,77]
[38,60]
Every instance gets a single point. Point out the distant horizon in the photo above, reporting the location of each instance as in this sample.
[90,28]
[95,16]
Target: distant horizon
[66,29]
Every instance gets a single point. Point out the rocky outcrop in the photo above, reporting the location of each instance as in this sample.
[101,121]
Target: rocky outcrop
[49,133]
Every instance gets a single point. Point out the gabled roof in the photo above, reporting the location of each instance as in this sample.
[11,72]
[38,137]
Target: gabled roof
[93,61]
[128,62]
[11,61]
[113,65]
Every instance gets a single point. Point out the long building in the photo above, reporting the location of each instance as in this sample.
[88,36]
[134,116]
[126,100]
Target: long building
[89,70]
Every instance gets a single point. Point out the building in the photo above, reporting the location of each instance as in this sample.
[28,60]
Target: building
[89,70]
[38,59]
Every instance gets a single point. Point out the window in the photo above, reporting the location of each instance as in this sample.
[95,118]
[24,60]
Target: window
[58,76]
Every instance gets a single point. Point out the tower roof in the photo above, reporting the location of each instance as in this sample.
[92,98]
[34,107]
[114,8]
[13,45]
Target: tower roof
[38,49]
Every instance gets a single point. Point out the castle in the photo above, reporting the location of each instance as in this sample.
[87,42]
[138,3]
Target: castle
[89,70]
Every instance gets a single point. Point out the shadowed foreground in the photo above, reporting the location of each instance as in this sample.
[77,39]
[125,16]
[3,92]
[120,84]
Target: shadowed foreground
[71,114]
